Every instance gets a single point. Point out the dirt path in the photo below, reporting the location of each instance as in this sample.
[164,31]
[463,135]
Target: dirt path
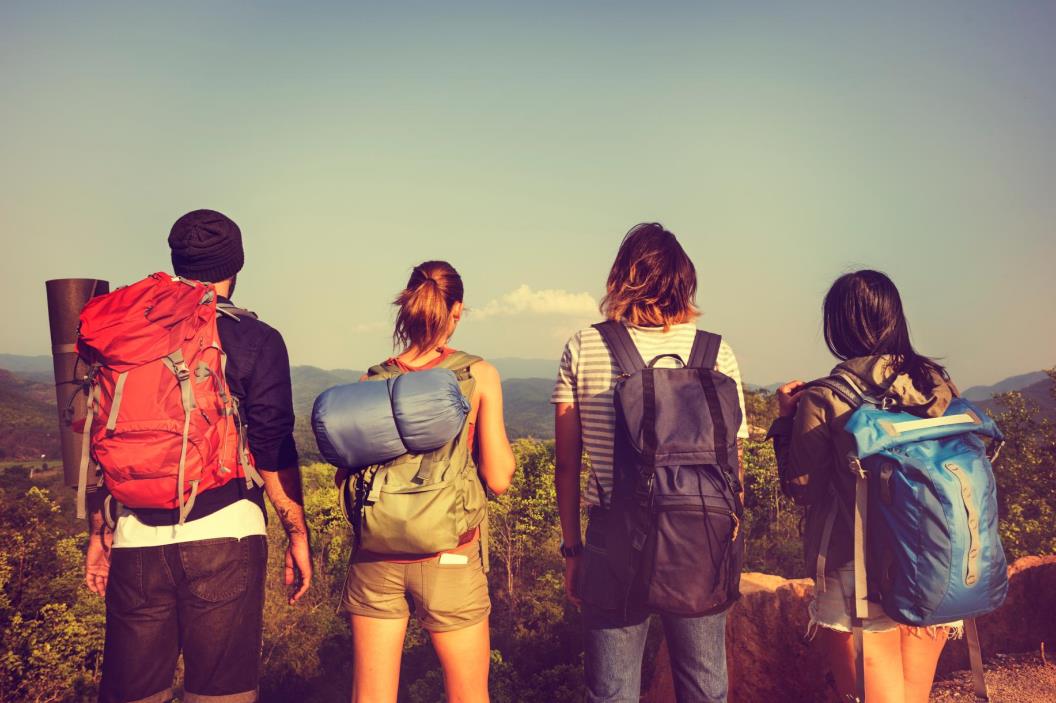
[1021,678]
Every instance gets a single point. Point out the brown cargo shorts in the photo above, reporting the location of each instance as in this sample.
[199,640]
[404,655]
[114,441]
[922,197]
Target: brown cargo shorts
[446,592]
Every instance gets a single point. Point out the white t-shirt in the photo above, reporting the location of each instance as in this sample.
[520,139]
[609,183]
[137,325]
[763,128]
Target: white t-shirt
[587,377]
[242,518]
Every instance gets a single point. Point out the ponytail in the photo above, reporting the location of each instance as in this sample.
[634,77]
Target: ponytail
[424,306]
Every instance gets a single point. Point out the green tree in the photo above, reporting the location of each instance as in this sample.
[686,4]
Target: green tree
[1026,475]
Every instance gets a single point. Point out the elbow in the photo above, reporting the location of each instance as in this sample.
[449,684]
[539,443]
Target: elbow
[499,478]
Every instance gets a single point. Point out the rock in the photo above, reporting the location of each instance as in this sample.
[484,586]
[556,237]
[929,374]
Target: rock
[769,659]
[766,651]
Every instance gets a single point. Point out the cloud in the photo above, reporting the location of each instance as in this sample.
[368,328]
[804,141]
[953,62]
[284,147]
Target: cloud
[524,300]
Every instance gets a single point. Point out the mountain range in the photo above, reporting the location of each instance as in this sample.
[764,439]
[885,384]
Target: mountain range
[27,400]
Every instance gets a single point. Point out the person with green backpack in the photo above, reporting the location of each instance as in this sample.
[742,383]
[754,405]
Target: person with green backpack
[420,522]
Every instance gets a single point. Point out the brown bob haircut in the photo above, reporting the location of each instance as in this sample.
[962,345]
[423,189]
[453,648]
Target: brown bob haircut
[425,306]
[652,282]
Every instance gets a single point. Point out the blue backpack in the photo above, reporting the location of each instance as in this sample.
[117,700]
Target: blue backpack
[674,543]
[925,514]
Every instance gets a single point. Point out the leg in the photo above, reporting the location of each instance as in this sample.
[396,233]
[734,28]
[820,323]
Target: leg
[883,663]
[465,656]
[698,657]
[920,656]
[375,597]
[221,611]
[377,648]
[142,632]
[613,656]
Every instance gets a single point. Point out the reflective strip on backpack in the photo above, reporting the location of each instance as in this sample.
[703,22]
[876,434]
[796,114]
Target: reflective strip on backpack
[82,474]
[119,393]
[896,428]
[178,366]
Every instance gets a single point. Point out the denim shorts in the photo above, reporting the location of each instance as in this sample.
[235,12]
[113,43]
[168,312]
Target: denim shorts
[833,607]
[205,598]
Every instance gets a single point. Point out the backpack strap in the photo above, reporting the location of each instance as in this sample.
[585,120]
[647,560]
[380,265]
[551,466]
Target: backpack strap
[459,363]
[845,388]
[86,438]
[175,362]
[705,351]
[975,656]
[619,342]
[229,310]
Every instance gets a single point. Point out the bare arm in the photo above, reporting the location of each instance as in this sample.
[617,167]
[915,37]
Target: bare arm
[284,491]
[568,448]
[569,464]
[496,461]
[100,541]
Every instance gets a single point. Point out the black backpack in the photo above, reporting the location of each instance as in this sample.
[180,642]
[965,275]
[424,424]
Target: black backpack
[674,541]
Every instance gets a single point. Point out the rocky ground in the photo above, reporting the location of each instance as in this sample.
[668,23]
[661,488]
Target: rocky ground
[1021,678]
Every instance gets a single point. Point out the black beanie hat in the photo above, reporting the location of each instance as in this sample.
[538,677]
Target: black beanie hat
[206,246]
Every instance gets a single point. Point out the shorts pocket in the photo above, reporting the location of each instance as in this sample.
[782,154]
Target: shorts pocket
[216,569]
[124,588]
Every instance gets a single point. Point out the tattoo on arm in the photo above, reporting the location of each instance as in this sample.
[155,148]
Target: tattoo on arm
[284,491]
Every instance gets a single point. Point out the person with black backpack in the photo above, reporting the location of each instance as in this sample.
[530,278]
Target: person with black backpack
[657,405]
[901,522]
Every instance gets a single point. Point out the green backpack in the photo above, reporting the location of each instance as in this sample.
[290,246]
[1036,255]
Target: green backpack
[419,503]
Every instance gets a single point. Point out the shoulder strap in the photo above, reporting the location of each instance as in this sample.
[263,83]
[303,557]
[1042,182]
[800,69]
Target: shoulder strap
[458,361]
[705,352]
[619,342]
[383,369]
[844,388]
[229,310]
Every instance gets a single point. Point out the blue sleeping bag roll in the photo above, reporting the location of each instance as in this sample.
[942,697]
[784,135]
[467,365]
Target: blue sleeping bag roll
[371,422]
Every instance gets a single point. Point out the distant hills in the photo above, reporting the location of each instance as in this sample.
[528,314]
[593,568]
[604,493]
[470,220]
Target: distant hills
[1012,383]
[28,421]
[27,400]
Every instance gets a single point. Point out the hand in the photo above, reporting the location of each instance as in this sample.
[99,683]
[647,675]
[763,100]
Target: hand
[571,573]
[97,561]
[298,570]
[788,397]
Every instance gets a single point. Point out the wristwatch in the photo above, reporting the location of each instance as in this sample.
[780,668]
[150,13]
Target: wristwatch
[574,551]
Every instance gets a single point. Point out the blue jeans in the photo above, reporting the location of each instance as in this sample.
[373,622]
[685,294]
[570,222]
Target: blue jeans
[615,643]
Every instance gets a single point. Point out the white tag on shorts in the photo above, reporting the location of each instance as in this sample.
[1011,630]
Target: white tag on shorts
[449,558]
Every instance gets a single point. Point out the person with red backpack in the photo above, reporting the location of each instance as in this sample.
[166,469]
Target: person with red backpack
[190,421]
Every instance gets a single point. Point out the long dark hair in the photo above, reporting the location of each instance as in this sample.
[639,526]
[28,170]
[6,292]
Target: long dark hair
[864,317]
[425,305]
[652,282]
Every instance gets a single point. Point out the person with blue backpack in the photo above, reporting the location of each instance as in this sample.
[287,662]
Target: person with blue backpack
[901,523]
[657,404]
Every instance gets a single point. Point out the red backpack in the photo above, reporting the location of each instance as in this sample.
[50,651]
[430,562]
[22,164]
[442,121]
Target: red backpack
[161,422]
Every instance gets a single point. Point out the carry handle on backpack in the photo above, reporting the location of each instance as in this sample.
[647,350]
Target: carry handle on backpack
[848,390]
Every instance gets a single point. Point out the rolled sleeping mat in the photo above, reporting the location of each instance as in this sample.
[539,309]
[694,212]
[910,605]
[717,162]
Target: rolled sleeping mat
[371,422]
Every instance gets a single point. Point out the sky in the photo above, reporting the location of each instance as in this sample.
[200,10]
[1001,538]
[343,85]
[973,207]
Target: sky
[784,143]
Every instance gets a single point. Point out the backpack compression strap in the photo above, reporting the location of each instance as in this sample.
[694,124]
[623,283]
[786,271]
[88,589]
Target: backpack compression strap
[233,312]
[619,342]
[705,351]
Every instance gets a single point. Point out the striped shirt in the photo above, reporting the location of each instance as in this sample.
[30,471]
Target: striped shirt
[587,377]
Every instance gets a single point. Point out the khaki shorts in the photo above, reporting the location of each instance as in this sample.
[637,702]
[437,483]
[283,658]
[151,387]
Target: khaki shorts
[443,596]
